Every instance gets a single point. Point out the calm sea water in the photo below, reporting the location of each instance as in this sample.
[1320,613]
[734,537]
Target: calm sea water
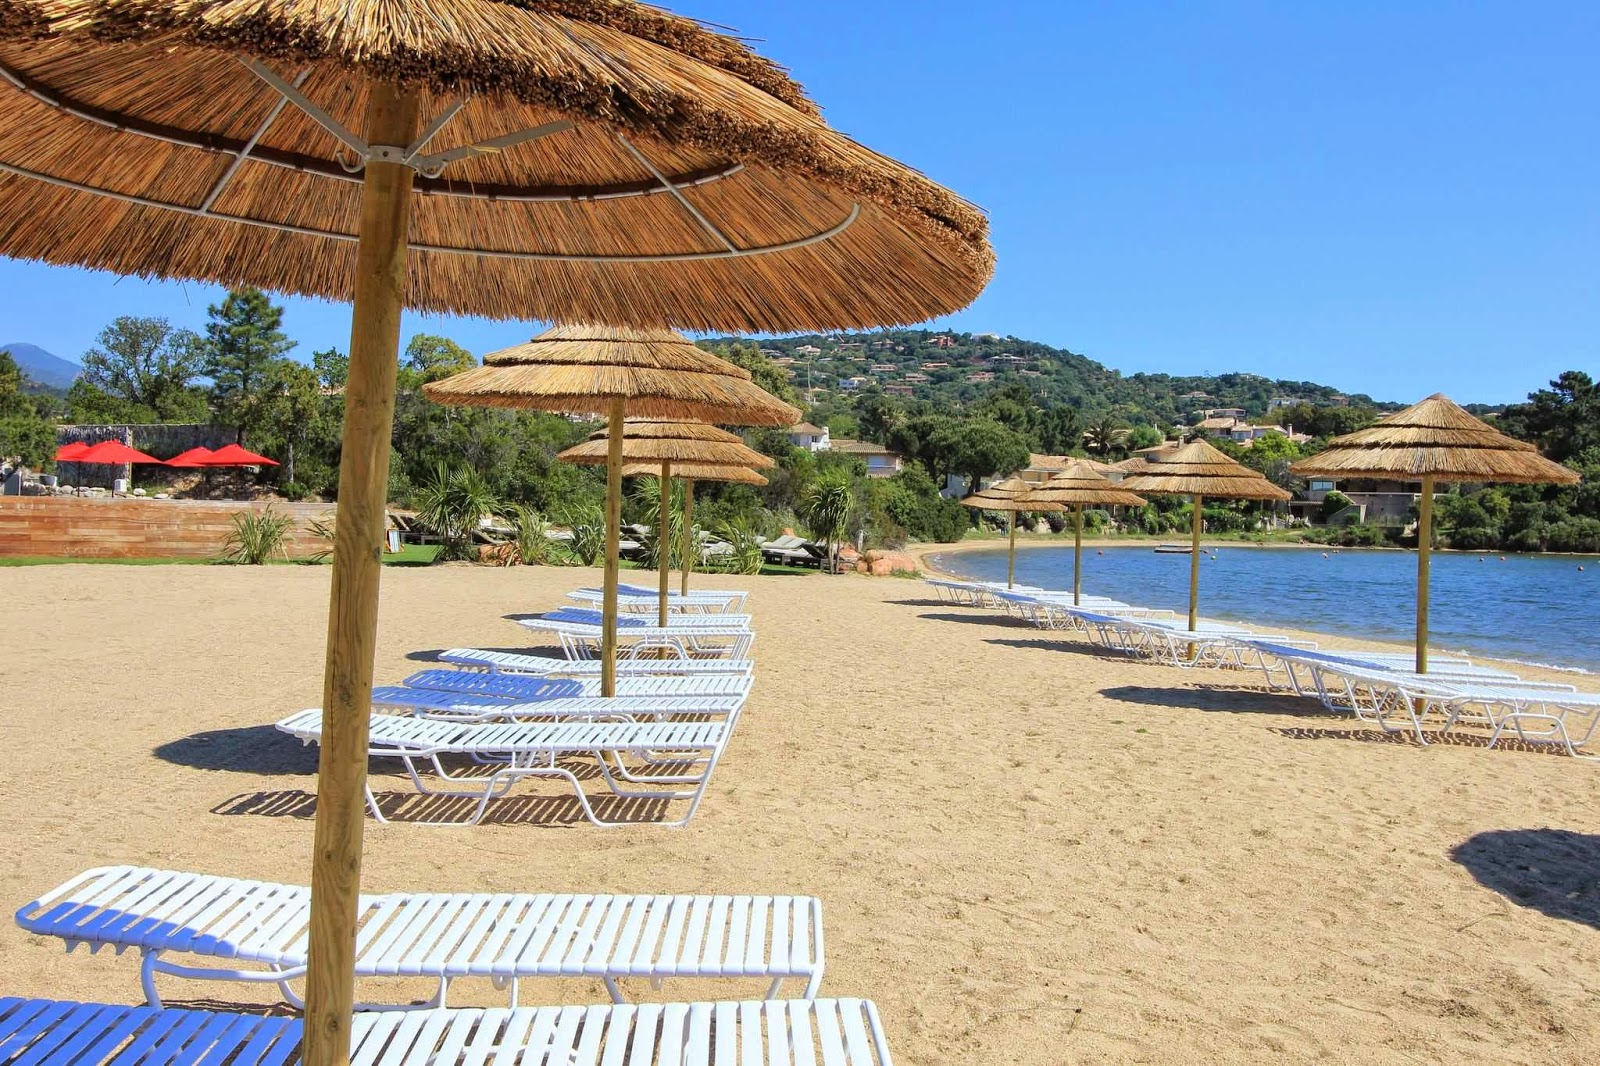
[1538,609]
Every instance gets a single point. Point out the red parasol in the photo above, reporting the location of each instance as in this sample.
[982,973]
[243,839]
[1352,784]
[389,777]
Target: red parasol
[114,453]
[233,455]
[71,453]
[193,458]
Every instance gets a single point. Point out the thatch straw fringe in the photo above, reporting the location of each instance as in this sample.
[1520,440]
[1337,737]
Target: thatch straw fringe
[1008,494]
[644,429]
[698,472]
[1434,438]
[580,370]
[701,113]
[666,449]
[1198,469]
[1079,483]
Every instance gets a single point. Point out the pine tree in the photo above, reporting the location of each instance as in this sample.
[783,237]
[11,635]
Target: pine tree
[243,341]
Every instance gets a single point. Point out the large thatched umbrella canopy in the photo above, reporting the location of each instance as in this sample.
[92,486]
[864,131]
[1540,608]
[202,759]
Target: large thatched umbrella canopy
[1198,470]
[1431,441]
[663,445]
[1080,484]
[1011,496]
[654,374]
[571,160]
[689,473]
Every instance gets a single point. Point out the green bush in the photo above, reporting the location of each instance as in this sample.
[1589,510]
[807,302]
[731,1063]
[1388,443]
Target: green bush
[256,537]
[1334,502]
[452,502]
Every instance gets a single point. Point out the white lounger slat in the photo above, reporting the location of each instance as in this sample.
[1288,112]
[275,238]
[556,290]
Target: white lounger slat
[503,936]
[544,666]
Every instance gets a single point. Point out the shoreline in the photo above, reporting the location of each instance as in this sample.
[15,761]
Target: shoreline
[927,554]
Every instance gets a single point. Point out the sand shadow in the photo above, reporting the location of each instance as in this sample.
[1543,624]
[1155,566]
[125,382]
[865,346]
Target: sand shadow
[432,655]
[256,749]
[1453,739]
[1075,647]
[980,619]
[1549,870]
[921,603]
[1218,699]
[411,807]
[526,616]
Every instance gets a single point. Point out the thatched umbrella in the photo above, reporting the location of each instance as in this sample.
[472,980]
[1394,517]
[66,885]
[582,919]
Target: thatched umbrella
[1198,470]
[575,161]
[1008,495]
[689,473]
[661,445]
[1434,440]
[1079,485]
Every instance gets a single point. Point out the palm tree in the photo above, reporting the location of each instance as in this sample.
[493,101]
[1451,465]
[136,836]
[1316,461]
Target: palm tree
[1105,435]
[828,507]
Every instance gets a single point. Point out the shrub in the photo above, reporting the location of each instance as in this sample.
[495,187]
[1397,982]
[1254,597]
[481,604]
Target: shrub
[1332,504]
[324,529]
[746,555]
[256,537]
[588,542]
[452,502]
[533,544]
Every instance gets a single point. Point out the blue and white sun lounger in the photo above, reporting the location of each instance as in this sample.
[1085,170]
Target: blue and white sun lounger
[257,931]
[509,662]
[835,1032]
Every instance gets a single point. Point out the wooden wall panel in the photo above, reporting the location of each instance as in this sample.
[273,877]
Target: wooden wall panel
[135,529]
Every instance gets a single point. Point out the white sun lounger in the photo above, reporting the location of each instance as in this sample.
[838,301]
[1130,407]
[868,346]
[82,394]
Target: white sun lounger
[507,662]
[639,598]
[470,707]
[260,930]
[841,1032]
[518,687]
[580,640]
[531,749]
[1288,668]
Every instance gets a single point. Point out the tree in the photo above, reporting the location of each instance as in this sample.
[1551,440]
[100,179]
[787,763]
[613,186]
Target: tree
[1058,430]
[144,369]
[1564,420]
[12,401]
[24,435]
[766,374]
[1105,435]
[291,403]
[332,367]
[828,507]
[1140,437]
[430,358]
[977,448]
[243,342]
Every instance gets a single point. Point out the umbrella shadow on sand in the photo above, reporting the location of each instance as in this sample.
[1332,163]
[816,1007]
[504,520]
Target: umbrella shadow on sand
[1550,870]
[256,749]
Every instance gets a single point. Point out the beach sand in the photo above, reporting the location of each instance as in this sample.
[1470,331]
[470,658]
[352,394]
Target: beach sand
[1028,852]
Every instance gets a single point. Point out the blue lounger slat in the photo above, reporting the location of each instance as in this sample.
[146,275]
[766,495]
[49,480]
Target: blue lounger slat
[584,616]
[90,1034]
[503,686]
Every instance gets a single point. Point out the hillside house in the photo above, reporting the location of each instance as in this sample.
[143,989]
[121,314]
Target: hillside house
[917,379]
[809,350]
[852,384]
[898,389]
[881,462]
[981,377]
[942,340]
[936,366]
[810,437]
[883,368]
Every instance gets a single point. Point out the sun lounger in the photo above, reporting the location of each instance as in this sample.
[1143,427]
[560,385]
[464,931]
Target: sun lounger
[470,707]
[522,688]
[698,601]
[703,639]
[508,662]
[256,931]
[1288,668]
[511,751]
[842,1032]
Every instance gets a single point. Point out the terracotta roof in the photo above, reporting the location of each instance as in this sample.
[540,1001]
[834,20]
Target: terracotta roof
[807,427]
[860,447]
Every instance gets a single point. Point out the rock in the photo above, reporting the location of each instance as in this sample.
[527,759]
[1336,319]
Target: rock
[884,563]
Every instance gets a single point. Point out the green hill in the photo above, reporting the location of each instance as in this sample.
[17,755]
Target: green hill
[957,369]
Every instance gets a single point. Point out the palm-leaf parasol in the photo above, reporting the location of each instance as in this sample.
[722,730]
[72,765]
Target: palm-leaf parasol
[1078,485]
[1198,470]
[661,445]
[1008,495]
[572,160]
[1434,440]
[689,473]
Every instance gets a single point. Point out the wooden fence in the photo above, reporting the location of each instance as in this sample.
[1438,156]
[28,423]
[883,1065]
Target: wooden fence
[136,529]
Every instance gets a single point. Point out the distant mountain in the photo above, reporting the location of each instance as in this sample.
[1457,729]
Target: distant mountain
[39,365]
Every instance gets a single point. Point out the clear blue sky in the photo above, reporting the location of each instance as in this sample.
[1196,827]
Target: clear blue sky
[1389,198]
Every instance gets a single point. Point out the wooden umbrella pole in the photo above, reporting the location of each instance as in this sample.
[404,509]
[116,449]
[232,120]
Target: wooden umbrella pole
[688,519]
[664,543]
[1194,566]
[357,562]
[1011,554]
[608,620]
[1424,550]
[1077,555]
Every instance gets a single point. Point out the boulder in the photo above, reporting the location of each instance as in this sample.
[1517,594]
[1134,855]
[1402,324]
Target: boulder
[884,563]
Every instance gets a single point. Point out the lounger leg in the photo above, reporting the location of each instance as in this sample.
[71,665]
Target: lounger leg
[611,987]
[147,978]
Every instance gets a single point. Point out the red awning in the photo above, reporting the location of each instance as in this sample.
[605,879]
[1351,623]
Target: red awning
[114,453]
[194,457]
[70,453]
[233,455]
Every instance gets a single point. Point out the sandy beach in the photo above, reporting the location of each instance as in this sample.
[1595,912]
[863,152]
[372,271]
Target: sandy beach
[1028,852]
